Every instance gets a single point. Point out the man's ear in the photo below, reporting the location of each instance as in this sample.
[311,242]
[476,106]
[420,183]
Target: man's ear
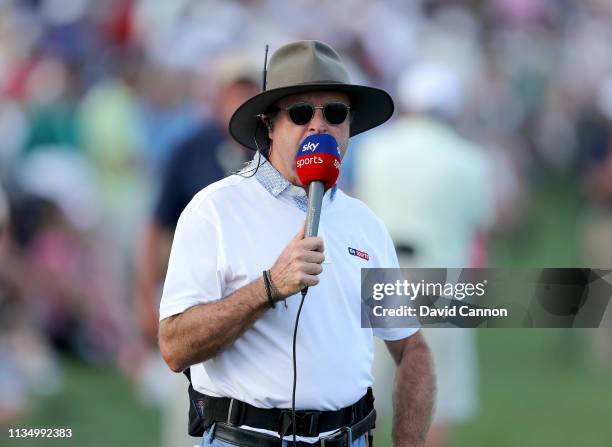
[267,122]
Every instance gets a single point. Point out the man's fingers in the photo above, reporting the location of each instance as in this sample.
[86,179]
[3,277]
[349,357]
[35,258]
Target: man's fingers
[314,243]
[310,280]
[311,268]
[315,257]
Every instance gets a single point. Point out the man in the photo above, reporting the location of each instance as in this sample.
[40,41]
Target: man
[594,130]
[435,215]
[220,318]
[14,403]
[203,158]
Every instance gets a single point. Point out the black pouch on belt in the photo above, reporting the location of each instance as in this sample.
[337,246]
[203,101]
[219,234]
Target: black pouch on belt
[198,423]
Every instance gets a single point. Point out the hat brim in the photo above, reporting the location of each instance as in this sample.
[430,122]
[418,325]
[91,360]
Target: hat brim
[370,106]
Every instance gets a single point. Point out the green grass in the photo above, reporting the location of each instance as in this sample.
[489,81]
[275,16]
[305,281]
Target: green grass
[536,392]
[98,404]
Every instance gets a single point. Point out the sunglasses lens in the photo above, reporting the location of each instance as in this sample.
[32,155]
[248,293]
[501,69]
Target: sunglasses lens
[335,112]
[301,113]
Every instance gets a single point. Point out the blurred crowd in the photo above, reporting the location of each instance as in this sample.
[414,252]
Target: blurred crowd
[96,96]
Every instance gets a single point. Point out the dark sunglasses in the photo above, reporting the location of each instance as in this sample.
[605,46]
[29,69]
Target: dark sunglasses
[302,112]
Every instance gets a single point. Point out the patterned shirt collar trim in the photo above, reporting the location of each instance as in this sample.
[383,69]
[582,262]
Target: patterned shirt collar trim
[272,180]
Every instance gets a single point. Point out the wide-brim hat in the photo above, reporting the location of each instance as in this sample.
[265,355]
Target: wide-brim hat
[306,66]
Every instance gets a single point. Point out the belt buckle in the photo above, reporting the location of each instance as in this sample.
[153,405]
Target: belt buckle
[235,413]
[342,431]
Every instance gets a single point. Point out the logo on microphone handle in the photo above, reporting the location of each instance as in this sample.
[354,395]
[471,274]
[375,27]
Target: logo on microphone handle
[310,146]
[310,161]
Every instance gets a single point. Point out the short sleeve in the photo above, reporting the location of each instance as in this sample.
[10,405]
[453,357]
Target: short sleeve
[389,260]
[194,274]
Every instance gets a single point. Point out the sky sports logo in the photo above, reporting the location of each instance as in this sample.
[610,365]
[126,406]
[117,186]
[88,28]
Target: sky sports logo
[359,254]
[309,161]
[310,147]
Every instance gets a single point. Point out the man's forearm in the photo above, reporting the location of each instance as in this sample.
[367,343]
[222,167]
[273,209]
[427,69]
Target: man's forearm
[413,397]
[201,332]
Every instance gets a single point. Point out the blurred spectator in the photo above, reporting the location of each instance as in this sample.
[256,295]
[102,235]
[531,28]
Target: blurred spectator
[51,89]
[68,282]
[433,189]
[68,298]
[28,367]
[170,112]
[14,401]
[112,134]
[595,137]
[203,158]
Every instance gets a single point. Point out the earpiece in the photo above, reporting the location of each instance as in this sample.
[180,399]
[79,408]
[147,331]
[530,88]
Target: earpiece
[267,122]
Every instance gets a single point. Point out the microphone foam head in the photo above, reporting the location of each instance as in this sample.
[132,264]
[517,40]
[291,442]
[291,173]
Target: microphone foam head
[318,159]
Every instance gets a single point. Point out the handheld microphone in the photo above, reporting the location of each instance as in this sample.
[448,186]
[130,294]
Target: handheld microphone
[317,163]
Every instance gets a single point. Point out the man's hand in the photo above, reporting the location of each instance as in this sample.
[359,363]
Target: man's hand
[298,265]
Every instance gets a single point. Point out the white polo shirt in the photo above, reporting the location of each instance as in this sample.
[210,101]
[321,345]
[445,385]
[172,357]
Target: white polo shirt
[232,231]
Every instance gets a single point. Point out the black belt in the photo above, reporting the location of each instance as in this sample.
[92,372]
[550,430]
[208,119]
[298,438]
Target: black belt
[308,423]
[343,437]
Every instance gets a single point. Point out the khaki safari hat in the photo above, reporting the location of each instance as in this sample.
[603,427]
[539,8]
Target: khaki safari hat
[306,66]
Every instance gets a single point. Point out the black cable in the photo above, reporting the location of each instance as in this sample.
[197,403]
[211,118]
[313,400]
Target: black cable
[252,170]
[297,320]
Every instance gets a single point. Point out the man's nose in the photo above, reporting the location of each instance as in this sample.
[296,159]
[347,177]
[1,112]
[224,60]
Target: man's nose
[318,123]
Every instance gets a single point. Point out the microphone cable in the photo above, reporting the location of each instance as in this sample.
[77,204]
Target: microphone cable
[297,320]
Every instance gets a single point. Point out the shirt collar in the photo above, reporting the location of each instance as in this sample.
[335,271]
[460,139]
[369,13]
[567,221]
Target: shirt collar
[277,185]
